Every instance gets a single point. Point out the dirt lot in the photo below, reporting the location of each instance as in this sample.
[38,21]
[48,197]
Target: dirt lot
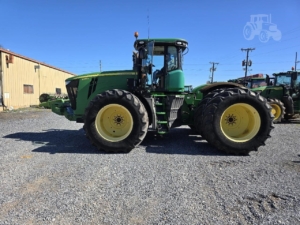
[50,174]
[21,114]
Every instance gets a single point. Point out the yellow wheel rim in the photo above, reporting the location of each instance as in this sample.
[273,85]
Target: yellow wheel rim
[114,122]
[240,122]
[276,111]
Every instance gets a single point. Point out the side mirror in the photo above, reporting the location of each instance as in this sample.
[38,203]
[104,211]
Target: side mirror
[268,80]
[143,53]
[294,75]
[150,69]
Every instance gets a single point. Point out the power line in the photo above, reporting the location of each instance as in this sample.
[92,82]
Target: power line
[277,50]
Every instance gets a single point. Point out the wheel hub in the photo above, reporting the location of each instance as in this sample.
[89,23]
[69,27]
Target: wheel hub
[240,122]
[230,119]
[276,111]
[117,120]
[114,122]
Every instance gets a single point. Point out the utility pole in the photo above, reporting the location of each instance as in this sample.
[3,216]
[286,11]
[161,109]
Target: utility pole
[247,62]
[212,69]
[100,67]
[296,62]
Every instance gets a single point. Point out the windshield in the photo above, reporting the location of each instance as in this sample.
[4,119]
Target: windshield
[284,79]
[297,83]
[149,60]
[257,83]
[172,58]
[161,57]
[158,57]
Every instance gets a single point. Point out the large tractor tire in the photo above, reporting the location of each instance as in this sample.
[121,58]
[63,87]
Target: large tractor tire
[44,97]
[116,121]
[198,116]
[278,109]
[237,121]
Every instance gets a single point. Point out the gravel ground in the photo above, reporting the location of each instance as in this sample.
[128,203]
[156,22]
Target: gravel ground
[50,174]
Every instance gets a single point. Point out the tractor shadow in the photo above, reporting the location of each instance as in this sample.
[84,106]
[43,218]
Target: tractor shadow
[291,121]
[180,140]
[57,141]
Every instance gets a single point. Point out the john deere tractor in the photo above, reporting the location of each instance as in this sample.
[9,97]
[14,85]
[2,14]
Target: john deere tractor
[282,94]
[117,108]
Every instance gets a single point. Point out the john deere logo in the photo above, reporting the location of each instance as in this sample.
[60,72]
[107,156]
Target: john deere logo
[92,86]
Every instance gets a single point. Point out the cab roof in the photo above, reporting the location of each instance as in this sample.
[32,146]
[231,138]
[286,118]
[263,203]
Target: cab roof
[284,73]
[161,41]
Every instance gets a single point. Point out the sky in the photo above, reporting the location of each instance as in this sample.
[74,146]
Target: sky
[75,35]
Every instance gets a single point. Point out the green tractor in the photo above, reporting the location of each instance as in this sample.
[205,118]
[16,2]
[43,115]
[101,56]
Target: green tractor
[46,99]
[283,94]
[118,108]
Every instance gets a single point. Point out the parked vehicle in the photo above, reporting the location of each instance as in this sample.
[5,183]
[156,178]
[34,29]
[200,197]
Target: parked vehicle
[117,108]
[284,95]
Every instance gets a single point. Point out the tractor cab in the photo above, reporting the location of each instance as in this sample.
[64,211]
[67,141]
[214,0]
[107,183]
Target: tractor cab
[158,64]
[289,80]
[290,83]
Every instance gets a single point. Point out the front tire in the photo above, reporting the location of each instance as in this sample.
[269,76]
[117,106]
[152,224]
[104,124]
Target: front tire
[278,109]
[237,121]
[116,121]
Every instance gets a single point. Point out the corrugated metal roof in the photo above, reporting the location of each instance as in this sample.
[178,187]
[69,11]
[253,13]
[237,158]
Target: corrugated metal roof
[32,60]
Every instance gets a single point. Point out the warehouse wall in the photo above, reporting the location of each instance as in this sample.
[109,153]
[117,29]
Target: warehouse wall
[23,80]
[1,91]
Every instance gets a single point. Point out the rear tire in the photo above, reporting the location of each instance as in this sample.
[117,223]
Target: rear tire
[198,116]
[116,121]
[237,121]
[278,109]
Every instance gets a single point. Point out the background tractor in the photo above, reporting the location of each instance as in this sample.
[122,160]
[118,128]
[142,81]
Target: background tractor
[46,99]
[262,26]
[283,96]
[250,82]
[119,107]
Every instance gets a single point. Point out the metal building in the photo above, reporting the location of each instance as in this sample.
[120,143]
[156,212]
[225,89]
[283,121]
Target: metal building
[23,80]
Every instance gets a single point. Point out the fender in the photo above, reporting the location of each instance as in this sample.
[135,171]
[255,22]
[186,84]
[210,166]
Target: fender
[205,90]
